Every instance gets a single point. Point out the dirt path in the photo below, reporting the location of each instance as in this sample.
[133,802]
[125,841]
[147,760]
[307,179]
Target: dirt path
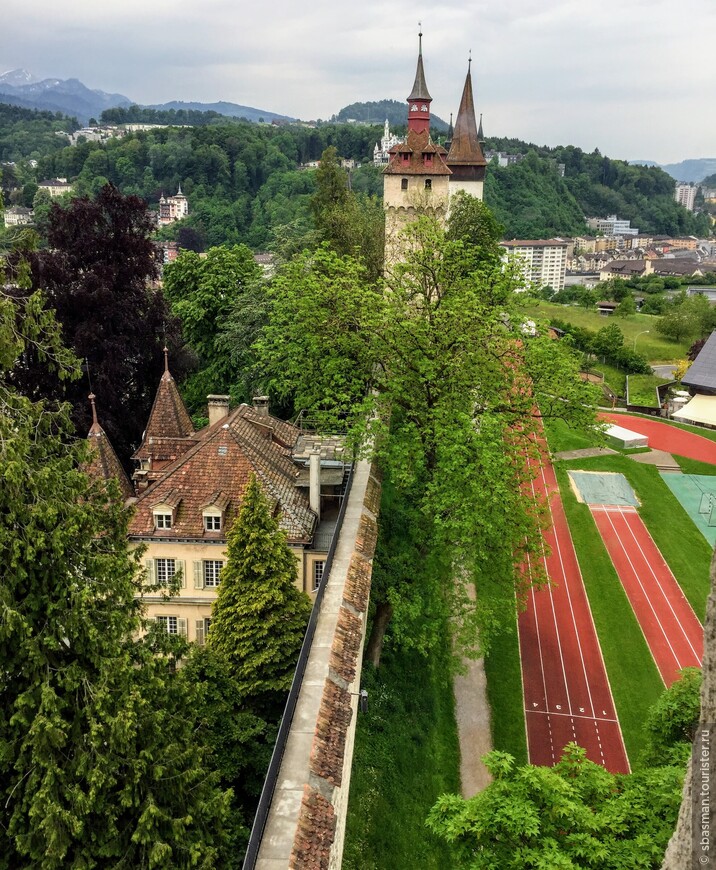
[472,713]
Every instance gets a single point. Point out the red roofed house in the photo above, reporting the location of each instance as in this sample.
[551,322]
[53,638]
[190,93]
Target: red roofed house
[189,486]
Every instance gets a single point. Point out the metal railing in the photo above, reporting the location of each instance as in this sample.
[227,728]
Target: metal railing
[269,787]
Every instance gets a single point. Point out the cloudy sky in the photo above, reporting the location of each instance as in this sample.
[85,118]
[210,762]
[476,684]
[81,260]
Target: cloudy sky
[634,78]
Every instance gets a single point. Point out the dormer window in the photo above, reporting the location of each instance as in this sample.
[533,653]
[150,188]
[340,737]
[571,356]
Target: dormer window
[162,520]
[427,158]
[213,511]
[164,512]
[212,521]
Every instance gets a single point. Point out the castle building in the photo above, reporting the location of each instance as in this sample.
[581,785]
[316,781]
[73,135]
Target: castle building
[381,152]
[172,208]
[421,176]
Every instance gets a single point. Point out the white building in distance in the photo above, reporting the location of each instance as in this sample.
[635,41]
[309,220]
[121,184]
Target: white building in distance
[685,194]
[543,261]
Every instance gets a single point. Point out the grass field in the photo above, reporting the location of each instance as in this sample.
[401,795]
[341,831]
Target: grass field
[406,755]
[654,347]
[642,390]
[504,675]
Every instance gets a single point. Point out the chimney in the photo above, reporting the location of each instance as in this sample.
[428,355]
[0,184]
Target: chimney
[218,408]
[314,482]
[261,405]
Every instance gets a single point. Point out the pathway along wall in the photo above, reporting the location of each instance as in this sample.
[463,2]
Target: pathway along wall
[309,834]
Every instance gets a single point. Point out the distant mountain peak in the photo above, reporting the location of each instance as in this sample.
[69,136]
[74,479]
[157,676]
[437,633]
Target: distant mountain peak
[18,77]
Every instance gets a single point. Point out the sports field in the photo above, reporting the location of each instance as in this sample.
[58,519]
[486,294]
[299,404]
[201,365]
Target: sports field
[566,691]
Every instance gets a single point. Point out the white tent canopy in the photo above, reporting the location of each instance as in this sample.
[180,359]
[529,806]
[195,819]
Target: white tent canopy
[701,409]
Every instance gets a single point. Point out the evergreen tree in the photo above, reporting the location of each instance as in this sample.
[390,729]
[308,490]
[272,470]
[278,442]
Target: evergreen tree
[260,616]
[101,764]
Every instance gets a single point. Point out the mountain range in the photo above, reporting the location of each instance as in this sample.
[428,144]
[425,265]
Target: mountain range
[19,87]
[687,170]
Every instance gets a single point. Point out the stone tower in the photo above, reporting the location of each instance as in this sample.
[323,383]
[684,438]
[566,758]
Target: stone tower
[416,179]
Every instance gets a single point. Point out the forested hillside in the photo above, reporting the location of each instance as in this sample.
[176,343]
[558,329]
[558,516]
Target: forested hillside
[27,133]
[244,184]
[532,201]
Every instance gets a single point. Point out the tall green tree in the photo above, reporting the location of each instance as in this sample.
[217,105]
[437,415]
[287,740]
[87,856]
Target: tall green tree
[101,761]
[438,369]
[260,616]
[350,223]
[203,293]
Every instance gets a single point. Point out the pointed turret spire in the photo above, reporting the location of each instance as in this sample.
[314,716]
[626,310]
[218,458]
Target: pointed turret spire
[465,157]
[104,463]
[166,360]
[448,141]
[481,135]
[419,99]
[91,398]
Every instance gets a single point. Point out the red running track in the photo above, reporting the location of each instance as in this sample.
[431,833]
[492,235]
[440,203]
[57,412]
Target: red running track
[669,438]
[566,691]
[670,626]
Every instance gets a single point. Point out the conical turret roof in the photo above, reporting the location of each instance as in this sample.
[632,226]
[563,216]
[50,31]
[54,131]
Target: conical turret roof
[104,463]
[169,419]
[420,88]
[465,148]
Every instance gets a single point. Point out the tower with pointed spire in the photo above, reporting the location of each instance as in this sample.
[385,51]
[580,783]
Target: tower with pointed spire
[465,157]
[415,181]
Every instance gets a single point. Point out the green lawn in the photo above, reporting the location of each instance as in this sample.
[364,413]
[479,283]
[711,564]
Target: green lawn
[642,390]
[504,673]
[651,344]
[406,755]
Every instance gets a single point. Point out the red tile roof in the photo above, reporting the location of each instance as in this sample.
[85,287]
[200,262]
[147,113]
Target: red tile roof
[417,144]
[104,464]
[216,468]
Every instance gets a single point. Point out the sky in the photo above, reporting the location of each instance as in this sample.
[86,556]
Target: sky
[634,78]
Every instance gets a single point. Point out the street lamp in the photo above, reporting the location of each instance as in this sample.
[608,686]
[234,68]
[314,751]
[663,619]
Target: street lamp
[644,332]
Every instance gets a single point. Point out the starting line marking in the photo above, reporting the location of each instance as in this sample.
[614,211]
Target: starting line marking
[604,718]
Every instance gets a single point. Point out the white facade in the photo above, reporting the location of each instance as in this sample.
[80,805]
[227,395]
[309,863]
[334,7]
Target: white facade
[613,226]
[381,157]
[544,262]
[685,194]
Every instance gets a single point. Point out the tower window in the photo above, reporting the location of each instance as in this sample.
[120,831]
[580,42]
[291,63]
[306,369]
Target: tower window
[403,183]
[428,184]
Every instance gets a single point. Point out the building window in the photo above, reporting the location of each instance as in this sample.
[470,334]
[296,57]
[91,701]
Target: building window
[207,573]
[162,521]
[317,574]
[428,184]
[165,570]
[172,625]
[403,183]
[406,156]
[212,522]
[212,571]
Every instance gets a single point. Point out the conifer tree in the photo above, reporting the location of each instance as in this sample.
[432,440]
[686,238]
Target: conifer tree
[260,616]
[100,762]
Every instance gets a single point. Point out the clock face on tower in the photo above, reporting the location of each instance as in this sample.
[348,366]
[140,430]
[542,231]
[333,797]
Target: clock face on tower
[423,108]
[414,107]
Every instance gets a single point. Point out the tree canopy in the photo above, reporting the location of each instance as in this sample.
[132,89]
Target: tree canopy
[101,760]
[260,616]
[95,277]
[437,368]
